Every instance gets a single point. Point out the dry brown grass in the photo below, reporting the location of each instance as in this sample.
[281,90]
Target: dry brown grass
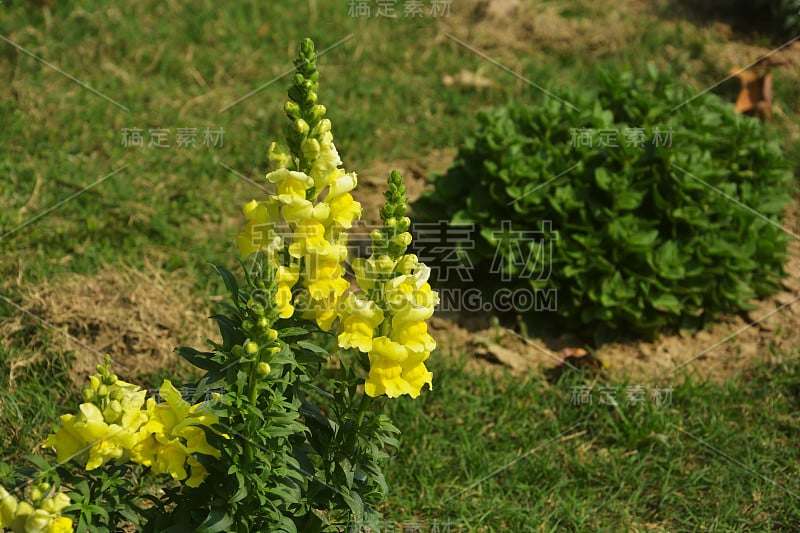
[137,316]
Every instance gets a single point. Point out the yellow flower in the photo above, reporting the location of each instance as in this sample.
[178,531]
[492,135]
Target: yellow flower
[324,278]
[286,277]
[385,378]
[309,238]
[60,525]
[259,232]
[8,508]
[325,165]
[342,183]
[279,156]
[172,434]
[360,317]
[395,370]
[293,187]
[417,376]
[344,210]
[88,430]
[366,272]
[414,336]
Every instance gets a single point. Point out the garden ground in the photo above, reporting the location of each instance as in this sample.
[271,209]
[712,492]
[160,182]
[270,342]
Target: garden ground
[123,268]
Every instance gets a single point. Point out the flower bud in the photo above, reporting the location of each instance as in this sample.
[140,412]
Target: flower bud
[272,335]
[292,109]
[318,111]
[274,350]
[403,239]
[263,323]
[376,235]
[8,505]
[322,127]
[384,264]
[300,126]
[60,501]
[391,222]
[88,394]
[102,391]
[251,347]
[263,368]
[311,149]
[113,411]
[39,520]
[407,264]
[94,381]
[117,394]
[403,224]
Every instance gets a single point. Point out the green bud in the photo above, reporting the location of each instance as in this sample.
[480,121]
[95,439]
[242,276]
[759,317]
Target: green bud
[403,239]
[8,503]
[251,348]
[298,80]
[310,148]
[400,210]
[102,391]
[292,110]
[376,235]
[263,323]
[318,111]
[237,351]
[311,97]
[94,381]
[88,394]
[112,412]
[407,264]
[391,222]
[117,394]
[36,494]
[384,264]
[272,335]
[300,126]
[263,368]
[322,127]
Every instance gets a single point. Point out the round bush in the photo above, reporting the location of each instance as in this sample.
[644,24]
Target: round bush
[677,223]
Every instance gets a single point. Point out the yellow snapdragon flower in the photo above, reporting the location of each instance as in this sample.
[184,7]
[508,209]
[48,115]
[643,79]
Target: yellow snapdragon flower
[44,516]
[172,434]
[360,317]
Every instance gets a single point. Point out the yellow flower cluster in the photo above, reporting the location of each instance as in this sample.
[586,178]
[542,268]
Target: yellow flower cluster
[397,356]
[116,424]
[42,516]
[317,207]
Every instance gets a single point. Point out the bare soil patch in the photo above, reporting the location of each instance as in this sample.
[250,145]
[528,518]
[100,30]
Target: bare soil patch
[137,317]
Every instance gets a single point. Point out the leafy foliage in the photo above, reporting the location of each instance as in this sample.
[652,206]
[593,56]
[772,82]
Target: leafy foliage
[669,230]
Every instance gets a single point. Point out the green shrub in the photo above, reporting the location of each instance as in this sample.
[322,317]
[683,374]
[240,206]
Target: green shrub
[656,234]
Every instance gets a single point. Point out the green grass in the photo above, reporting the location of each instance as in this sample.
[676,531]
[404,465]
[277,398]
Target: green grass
[178,64]
[492,453]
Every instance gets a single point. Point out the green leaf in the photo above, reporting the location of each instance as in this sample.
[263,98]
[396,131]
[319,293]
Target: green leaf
[666,302]
[199,359]
[217,520]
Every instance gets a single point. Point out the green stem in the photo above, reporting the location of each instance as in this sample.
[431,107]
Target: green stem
[252,394]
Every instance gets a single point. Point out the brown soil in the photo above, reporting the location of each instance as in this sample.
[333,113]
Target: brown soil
[137,317]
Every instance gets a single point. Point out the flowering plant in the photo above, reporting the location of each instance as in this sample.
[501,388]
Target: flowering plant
[283,432]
